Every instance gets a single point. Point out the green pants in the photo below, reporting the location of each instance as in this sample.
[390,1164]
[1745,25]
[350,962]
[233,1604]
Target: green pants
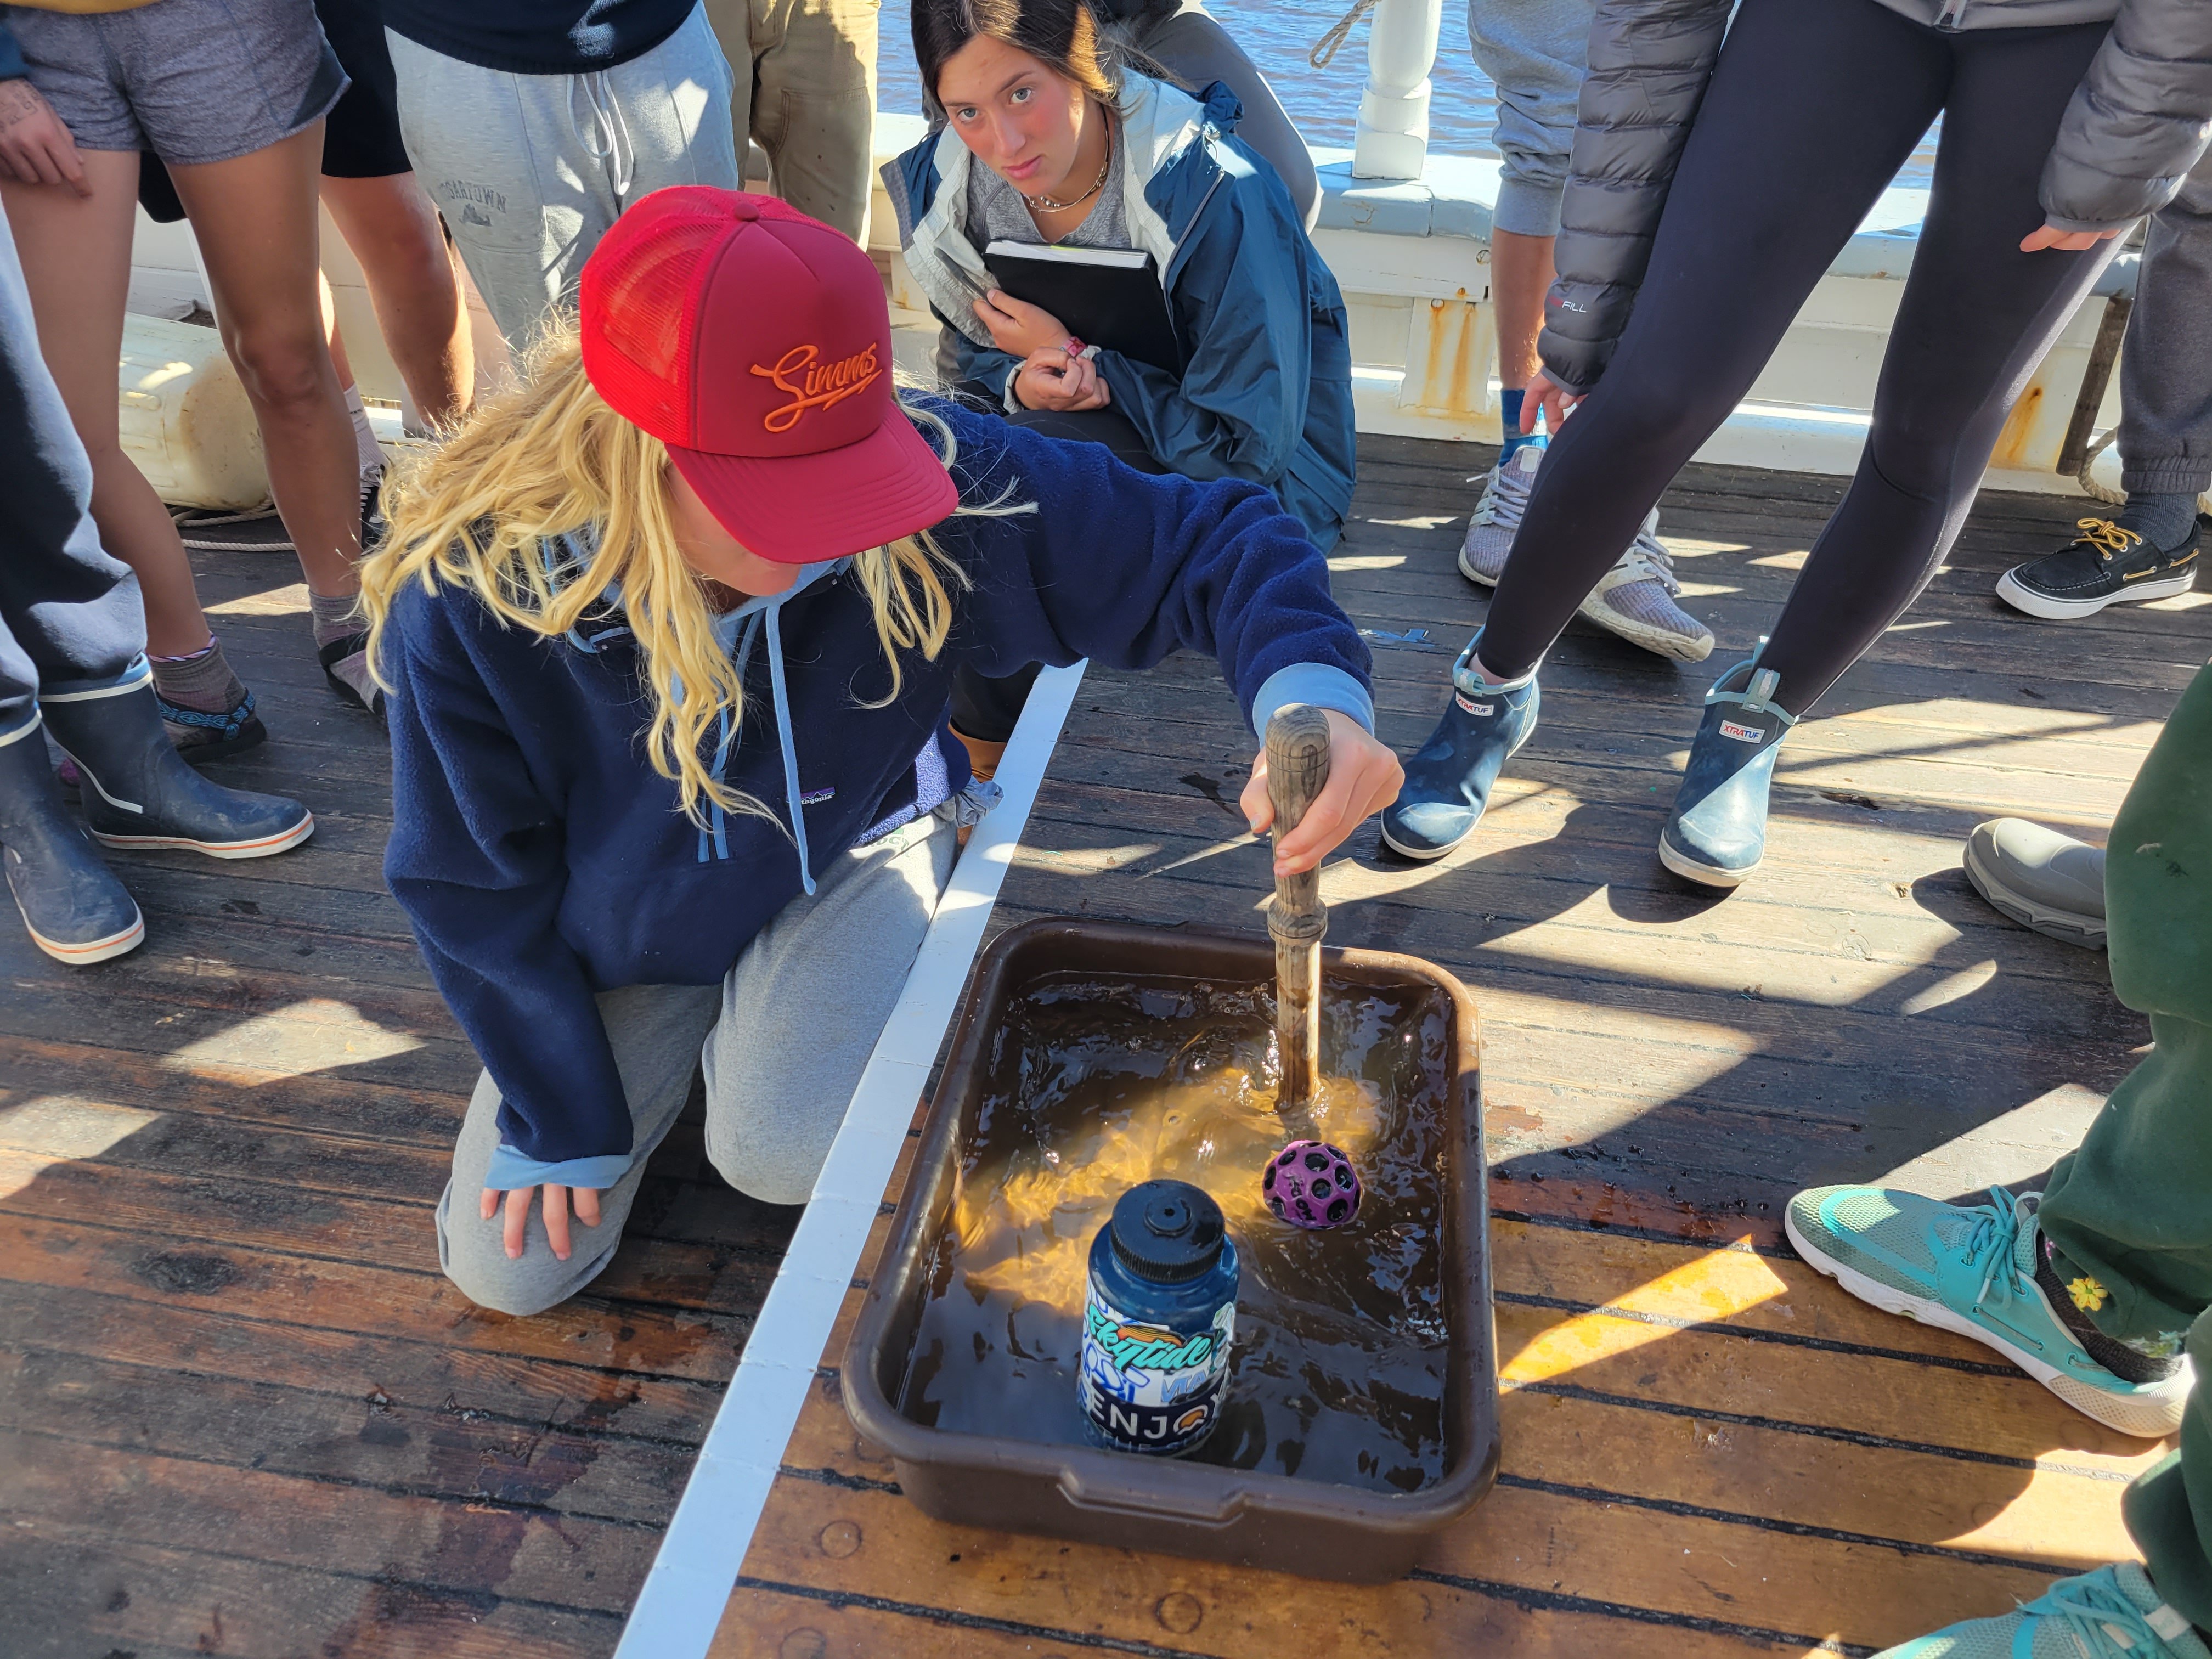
[2130,1213]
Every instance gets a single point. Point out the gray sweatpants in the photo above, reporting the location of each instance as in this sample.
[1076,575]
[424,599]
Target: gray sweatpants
[2166,372]
[783,1040]
[529,170]
[1535,53]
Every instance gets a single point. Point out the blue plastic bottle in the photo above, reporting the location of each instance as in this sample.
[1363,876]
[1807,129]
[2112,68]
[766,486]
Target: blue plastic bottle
[1158,1320]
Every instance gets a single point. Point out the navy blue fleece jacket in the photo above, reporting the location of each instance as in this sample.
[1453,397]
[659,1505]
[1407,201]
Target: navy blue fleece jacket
[541,859]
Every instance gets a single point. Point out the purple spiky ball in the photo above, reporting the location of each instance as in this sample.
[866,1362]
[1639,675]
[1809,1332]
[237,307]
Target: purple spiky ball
[1311,1183]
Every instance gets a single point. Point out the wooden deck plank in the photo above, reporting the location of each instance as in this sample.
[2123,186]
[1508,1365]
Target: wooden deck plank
[104,1596]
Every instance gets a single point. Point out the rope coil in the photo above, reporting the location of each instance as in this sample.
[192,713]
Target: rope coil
[1327,47]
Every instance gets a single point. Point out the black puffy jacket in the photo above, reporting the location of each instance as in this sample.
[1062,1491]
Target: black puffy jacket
[2140,120]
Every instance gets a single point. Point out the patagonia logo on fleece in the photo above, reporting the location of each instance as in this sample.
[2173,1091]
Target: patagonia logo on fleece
[816,797]
[1742,733]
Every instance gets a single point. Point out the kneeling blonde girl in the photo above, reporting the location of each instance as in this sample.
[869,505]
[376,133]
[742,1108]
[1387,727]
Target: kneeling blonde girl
[669,633]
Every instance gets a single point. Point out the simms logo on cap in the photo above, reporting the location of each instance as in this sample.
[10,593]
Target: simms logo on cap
[1742,733]
[813,384]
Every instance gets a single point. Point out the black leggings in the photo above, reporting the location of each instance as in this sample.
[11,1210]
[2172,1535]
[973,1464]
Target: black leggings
[1813,107]
[987,709]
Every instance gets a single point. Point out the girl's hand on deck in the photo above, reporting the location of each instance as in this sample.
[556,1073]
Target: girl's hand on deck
[1363,777]
[556,1214]
[2068,242]
[1052,378]
[1546,396]
[35,147]
[1018,327]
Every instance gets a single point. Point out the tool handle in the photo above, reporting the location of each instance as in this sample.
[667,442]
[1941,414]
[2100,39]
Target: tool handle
[1297,772]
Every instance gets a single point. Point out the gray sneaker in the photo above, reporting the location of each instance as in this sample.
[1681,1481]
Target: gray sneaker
[1634,600]
[1505,489]
[2040,878]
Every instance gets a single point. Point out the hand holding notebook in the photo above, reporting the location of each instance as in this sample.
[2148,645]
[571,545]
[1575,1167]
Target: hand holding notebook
[1109,297]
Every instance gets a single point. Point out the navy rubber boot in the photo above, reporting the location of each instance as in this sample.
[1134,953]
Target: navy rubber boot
[138,792]
[1448,782]
[75,909]
[1716,834]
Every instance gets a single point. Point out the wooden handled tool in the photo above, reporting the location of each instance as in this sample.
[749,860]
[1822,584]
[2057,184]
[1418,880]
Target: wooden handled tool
[1298,771]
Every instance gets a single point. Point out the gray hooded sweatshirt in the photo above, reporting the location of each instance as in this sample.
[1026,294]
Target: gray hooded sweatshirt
[2137,124]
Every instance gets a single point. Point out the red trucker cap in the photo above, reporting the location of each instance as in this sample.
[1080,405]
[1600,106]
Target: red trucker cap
[756,343]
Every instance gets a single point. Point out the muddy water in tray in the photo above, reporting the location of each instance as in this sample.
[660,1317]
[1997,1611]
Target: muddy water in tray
[1338,1371]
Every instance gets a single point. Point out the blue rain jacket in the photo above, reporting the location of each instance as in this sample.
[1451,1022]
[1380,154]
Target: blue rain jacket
[541,859]
[1266,392]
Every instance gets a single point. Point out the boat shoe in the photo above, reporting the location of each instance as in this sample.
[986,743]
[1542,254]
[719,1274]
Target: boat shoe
[2042,880]
[138,792]
[2106,564]
[1716,834]
[72,905]
[1448,782]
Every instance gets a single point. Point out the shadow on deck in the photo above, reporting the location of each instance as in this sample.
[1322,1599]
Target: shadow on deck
[248,1416]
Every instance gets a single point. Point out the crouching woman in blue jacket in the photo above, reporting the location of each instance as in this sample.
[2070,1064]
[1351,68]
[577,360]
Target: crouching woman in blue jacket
[1047,140]
[669,632]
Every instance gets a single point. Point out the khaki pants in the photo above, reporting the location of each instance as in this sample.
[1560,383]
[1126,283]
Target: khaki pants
[805,74]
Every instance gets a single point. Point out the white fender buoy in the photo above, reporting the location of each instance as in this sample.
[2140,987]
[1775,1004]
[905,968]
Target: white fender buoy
[186,421]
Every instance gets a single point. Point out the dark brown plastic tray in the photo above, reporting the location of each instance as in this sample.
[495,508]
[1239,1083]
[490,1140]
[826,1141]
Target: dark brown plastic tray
[1252,1519]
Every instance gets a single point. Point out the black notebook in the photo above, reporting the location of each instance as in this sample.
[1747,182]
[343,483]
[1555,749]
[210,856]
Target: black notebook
[1106,296]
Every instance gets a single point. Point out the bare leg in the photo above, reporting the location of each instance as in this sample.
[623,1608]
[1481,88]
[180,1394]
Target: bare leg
[76,259]
[255,219]
[340,364]
[393,231]
[1520,275]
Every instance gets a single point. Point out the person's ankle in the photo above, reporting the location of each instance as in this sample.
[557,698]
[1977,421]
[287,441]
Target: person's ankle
[2164,520]
[2071,1303]
[1509,404]
[1488,679]
[335,615]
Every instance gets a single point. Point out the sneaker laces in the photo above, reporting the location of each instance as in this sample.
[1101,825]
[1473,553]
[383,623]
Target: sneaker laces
[1997,1229]
[1506,494]
[2103,1622]
[1647,560]
[2110,539]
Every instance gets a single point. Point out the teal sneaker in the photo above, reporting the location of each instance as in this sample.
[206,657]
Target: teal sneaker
[2113,1613]
[1971,1268]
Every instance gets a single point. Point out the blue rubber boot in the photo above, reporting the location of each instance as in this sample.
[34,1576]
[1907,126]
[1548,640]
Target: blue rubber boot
[1448,782]
[1716,834]
[75,909]
[138,792]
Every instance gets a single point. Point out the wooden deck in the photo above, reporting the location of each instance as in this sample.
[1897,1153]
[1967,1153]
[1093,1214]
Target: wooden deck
[248,1417]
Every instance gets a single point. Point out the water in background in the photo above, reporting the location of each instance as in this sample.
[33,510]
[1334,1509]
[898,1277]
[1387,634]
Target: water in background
[1276,34]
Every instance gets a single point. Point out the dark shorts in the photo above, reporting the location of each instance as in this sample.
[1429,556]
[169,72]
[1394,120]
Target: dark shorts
[193,81]
[361,140]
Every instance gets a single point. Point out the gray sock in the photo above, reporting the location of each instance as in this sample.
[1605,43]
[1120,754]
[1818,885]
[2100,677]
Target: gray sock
[336,615]
[202,681]
[2164,521]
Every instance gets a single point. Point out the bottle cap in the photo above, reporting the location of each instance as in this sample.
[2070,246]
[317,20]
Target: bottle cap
[1168,1231]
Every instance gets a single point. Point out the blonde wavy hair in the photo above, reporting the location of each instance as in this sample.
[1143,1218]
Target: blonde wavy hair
[549,458]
